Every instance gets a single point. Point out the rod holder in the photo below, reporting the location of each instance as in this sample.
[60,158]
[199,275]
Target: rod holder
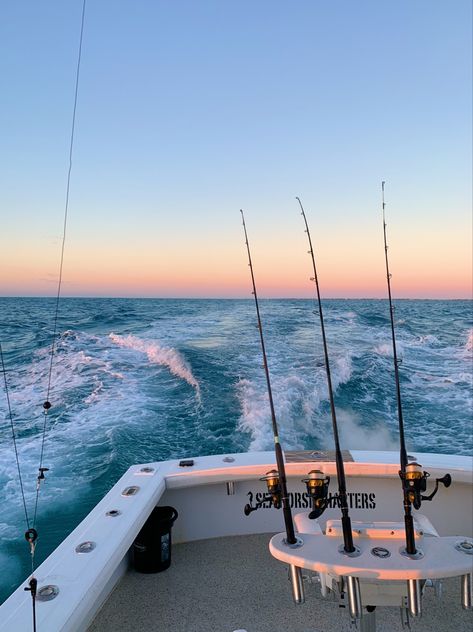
[354,597]
[414,597]
[297,586]
[467,591]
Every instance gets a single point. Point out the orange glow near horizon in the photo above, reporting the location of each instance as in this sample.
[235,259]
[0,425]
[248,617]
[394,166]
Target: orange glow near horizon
[438,268]
[215,283]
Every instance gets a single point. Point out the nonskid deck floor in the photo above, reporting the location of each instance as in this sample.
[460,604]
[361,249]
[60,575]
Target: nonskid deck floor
[233,583]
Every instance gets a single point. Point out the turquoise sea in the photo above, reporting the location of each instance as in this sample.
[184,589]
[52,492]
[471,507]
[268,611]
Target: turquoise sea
[145,380]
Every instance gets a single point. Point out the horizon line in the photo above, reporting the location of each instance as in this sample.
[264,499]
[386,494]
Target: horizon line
[240,298]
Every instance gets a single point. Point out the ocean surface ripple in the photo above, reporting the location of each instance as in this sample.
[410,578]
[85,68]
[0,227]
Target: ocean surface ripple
[138,380]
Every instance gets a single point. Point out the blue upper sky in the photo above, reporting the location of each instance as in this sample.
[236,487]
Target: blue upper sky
[189,110]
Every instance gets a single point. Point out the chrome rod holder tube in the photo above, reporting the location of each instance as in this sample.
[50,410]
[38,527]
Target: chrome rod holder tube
[467,585]
[414,597]
[354,597]
[298,594]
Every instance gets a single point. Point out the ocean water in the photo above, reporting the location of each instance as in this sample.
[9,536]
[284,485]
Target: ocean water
[146,380]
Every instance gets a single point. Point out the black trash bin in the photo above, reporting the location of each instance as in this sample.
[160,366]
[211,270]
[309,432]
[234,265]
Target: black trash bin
[152,546]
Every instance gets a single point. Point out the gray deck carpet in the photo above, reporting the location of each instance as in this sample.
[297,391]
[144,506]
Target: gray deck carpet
[233,583]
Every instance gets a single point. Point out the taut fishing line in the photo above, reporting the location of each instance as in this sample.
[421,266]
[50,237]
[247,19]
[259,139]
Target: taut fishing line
[31,534]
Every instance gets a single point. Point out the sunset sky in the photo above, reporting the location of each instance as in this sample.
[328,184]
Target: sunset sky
[190,110]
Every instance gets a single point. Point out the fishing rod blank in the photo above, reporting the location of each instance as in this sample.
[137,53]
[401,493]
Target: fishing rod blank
[408,518]
[276,480]
[342,491]
[414,480]
[272,483]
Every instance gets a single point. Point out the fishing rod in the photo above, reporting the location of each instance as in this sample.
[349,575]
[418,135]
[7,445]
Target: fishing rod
[348,545]
[414,479]
[276,480]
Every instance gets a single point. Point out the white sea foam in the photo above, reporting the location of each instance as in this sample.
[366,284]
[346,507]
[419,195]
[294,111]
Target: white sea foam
[72,368]
[469,341]
[164,356]
[294,406]
[384,350]
[427,339]
[355,436]
[296,401]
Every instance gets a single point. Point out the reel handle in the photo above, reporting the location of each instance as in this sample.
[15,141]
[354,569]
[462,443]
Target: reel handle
[446,482]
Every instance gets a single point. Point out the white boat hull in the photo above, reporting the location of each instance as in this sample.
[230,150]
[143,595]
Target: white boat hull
[209,508]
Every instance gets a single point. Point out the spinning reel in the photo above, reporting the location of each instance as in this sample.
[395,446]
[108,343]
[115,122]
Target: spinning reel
[414,483]
[317,488]
[274,492]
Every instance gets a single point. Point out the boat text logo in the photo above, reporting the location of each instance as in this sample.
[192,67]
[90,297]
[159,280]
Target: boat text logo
[301,500]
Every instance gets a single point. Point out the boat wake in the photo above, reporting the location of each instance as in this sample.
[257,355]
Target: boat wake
[469,341]
[164,356]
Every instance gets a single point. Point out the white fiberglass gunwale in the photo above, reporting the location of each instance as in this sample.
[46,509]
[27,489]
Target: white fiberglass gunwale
[207,509]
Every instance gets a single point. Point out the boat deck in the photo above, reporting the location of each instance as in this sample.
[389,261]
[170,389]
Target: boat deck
[233,583]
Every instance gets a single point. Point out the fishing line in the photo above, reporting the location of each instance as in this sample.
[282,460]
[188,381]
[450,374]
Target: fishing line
[342,491]
[31,534]
[47,403]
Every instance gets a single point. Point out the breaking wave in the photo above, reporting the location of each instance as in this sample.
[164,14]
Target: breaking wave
[164,356]
[297,400]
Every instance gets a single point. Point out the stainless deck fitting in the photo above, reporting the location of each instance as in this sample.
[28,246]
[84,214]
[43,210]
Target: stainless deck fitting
[414,597]
[418,555]
[465,546]
[296,545]
[85,547]
[113,513]
[355,553]
[380,551]
[130,490]
[47,593]
[467,591]
[354,597]
[297,586]
[230,488]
